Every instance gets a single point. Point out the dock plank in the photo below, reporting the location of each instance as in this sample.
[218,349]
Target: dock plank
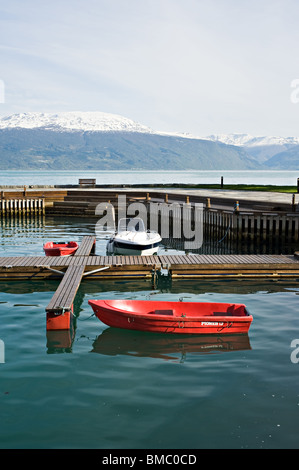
[67,289]
[86,245]
[124,266]
[70,292]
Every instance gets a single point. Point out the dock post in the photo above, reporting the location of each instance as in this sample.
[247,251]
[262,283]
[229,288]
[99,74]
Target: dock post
[62,321]
[293,202]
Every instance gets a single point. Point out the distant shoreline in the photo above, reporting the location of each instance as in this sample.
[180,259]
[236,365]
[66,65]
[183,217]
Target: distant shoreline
[229,187]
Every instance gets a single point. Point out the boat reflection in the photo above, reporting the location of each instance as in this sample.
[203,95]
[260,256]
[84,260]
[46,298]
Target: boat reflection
[114,341]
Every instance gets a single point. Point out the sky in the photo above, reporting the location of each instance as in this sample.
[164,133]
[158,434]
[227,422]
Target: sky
[196,66]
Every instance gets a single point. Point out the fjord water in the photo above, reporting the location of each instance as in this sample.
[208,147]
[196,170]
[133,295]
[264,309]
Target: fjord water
[114,389]
[275,177]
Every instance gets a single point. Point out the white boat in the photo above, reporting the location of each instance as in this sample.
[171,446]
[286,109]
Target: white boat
[131,238]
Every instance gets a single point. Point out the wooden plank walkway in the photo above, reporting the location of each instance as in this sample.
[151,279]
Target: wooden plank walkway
[67,289]
[225,266]
[87,246]
[60,308]
[41,267]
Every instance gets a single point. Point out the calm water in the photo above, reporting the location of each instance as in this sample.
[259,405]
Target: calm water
[109,389]
[288,178]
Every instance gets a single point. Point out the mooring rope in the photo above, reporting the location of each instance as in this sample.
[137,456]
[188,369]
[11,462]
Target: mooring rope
[84,319]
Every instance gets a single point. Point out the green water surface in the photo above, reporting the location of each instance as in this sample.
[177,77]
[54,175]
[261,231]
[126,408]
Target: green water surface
[104,388]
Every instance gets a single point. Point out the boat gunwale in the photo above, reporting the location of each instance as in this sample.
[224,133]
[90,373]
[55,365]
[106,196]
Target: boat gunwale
[247,317]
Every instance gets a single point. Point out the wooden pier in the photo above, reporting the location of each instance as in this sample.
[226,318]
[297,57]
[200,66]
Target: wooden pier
[72,269]
[60,309]
[259,218]
[192,266]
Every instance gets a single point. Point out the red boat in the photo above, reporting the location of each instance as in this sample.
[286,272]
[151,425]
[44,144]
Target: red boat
[173,317]
[60,248]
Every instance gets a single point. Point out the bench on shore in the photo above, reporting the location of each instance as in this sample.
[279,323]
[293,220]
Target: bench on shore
[87,182]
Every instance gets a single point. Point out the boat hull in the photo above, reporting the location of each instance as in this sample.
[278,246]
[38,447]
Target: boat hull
[60,249]
[173,317]
[122,248]
[131,238]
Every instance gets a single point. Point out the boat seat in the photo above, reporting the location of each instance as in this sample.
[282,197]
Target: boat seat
[163,312]
[222,314]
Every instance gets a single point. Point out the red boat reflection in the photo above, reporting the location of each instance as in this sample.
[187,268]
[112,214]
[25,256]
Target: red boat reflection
[114,341]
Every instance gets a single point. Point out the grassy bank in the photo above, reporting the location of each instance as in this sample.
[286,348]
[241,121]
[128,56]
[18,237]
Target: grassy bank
[232,187]
[252,187]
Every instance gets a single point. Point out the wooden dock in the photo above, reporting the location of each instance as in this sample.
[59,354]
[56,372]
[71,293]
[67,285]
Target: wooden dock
[130,267]
[60,309]
[247,220]
[250,218]
[71,270]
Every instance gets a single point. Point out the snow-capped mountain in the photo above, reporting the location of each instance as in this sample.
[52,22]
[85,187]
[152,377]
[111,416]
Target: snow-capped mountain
[107,122]
[73,121]
[246,140]
[279,153]
[97,140]
[101,141]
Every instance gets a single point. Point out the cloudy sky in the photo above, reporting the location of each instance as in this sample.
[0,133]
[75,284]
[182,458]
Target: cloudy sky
[198,66]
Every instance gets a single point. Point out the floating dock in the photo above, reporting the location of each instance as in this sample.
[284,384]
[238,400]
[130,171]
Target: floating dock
[84,264]
[129,267]
[248,218]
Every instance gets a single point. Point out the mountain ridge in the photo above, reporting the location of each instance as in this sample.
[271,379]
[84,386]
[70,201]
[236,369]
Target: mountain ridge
[97,139]
[73,121]
[42,148]
[274,152]
[247,140]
